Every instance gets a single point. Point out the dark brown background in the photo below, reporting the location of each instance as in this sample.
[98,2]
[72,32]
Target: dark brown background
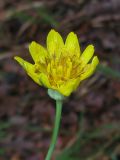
[90,125]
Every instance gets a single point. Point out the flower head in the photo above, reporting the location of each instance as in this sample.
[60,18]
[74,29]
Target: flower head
[60,66]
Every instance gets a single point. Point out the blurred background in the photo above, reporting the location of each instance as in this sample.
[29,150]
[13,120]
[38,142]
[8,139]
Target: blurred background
[90,125]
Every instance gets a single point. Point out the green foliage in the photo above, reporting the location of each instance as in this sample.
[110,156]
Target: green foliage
[42,14]
[2,151]
[107,71]
[76,151]
[46,16]
[4,125]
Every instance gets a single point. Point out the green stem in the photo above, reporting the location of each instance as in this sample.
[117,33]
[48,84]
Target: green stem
[56,129]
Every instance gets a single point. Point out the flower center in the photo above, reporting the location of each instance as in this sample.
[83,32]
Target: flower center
[60,70]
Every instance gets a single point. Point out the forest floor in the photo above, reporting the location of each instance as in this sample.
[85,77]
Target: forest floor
[90,124]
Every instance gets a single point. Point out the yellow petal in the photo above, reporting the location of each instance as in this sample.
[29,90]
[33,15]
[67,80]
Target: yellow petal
[77,83]
[87,54]
[37,52]
[72,44]
[90,68]
[54,43]
[67,88]
[29,68]
[44,80]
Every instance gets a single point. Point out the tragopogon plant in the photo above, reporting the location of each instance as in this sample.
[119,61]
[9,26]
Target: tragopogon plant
[60,67]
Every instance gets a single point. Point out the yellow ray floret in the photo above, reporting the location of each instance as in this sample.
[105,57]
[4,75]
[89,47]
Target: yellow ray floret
[60,66]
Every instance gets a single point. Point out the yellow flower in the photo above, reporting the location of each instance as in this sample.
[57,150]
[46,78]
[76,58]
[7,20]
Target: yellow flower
[60,66]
